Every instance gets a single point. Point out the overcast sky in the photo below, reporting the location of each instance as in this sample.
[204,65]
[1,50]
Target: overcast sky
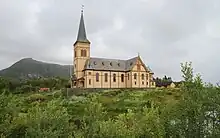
[164,32]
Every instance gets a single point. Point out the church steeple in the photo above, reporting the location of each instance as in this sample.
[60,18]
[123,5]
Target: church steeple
[81,50]
[81,37]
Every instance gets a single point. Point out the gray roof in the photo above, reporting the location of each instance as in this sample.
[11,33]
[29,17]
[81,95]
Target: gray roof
[81,37]
[110,64]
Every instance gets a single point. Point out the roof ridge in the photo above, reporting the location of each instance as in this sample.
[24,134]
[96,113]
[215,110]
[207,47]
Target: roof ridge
[114,58]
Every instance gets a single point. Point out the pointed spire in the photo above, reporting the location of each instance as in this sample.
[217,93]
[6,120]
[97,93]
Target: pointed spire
[81,37]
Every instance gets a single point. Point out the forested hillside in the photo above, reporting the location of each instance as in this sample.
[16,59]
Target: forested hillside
[29,68]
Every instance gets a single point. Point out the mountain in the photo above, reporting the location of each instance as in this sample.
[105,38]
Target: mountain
[30,68]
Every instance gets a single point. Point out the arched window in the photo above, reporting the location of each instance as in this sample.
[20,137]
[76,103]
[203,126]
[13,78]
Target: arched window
[122,77]
[114,77]
[82,53]
[142,76]
[106,77]
[147,76]
[128,76]
[97,77]
[135,76]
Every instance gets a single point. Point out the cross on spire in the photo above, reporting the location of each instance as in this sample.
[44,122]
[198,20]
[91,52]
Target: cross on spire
[82,8]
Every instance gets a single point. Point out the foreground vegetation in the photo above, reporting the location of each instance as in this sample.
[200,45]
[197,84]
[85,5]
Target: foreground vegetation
[191,111]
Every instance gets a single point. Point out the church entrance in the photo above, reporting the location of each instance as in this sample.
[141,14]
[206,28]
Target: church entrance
[80,83]
[83,84]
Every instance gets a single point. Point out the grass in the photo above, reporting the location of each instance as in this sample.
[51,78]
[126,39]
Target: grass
[119,101]
[114,101]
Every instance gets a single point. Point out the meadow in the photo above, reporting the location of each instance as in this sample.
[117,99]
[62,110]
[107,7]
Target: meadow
[191,111]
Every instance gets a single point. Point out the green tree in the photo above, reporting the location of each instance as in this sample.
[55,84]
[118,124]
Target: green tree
[51,120]
[194,114]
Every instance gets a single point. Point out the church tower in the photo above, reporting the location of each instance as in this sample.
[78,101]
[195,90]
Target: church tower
[81,49]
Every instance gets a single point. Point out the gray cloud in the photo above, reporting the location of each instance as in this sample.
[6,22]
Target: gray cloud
[165,32]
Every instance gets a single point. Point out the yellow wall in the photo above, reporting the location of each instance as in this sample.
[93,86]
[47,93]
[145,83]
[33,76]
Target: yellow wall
[129,80]
[139,82]
[102,82]
[79,61]
[172,85]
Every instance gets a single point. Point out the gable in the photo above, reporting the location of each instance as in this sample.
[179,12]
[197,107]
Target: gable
[140,66]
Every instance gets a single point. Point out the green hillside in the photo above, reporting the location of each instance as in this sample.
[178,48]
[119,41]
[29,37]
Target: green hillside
[30,68]
[190,111]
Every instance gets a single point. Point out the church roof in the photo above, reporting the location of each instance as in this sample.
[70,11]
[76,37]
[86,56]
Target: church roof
[81,37]
[110,64]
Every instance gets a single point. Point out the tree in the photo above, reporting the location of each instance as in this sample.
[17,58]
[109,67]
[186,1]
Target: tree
[197,114]
[165,81]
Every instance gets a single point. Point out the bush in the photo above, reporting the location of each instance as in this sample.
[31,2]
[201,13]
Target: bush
[51,120]
[36,97]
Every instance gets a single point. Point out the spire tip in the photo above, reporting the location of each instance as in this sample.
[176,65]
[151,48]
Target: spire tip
[82,8]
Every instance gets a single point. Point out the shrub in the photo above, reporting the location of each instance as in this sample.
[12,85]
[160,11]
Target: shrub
[37,97]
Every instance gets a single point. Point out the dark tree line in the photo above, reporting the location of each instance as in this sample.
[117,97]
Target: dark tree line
[31,85]
[165,81]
